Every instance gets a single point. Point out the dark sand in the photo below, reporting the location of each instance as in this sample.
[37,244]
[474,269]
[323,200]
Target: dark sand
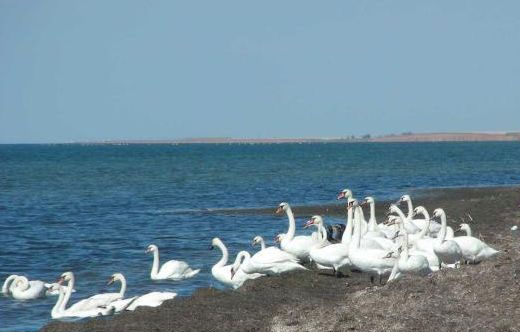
[483,297]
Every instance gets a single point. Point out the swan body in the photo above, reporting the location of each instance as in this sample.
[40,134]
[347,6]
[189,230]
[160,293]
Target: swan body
[24,289]
[90,303]
[376,262]
[223,273]
[152,299]
[412,264]
[448,251]
[82,308]
[265,262]
[474,250]
[173,269]
[299,246]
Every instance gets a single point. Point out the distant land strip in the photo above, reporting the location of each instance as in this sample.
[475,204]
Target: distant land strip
[404,137]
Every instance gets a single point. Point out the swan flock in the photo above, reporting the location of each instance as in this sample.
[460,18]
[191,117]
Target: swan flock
[404,243]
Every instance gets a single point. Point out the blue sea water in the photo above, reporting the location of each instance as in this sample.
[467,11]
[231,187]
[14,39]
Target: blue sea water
[92,209]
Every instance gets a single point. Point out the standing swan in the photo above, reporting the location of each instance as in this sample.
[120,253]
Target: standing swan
[298,246]
[222,272]
[376,262]
[448,251]
[174,270]
[473,250]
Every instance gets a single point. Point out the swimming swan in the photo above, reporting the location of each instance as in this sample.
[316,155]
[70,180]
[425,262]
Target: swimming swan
[173,269]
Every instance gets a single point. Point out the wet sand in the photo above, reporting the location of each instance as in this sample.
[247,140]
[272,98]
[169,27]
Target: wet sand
[482,297]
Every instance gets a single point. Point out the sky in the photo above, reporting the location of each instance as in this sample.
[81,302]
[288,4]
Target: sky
[98,70]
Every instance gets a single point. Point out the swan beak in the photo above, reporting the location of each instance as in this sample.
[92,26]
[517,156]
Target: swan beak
[232,273]
[60,280]
[389,255]
[396,235]
[308,223]
[110,281]
[278,210]
[340,195]
[363,203]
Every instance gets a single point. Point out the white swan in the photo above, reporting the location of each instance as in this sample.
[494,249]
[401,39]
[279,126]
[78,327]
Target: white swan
[410,264]
[374,230]
[90,303]
[473,250]
[420,223]
[173,269]
[79,309]
[23,289]
[259,240]
[376,262]
[222,272]
[410,227]
[152,299]
[10,284]
[298,246]
[333,256]
[448,251]
[270,262]
[274,252]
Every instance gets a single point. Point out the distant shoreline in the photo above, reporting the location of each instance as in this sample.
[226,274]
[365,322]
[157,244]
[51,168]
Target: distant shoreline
[392,138]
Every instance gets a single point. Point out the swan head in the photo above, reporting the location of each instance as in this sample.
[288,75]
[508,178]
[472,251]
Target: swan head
[257,240]
[404,198]
[393,209]
[352,203]
[151,248]
[115,277]
[66,276]
[438,212]
[463,227]
[345,193]
[392,220]
[279,238]
[215,242]
[368,200]
[315,220]
[418,210]
[282,207]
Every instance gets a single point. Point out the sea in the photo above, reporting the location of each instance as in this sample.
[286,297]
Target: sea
[93,209]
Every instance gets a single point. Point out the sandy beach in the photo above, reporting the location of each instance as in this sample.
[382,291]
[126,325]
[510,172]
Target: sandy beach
[483,297]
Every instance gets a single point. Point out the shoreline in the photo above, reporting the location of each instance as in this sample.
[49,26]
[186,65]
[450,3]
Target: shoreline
[389,138]
[453,299]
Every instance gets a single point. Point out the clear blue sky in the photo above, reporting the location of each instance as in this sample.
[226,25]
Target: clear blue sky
[87,70]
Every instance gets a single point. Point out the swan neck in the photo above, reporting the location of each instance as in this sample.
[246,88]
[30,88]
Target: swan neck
[442,233]
[123,286]
[468,231]
[155,265]
[347,235]
[225,254]
[262,244]
[372,221]
[7,283]
[68,292]
[357,229]
[292,224]
[410,209]
[405,243]
[57,306]
[426,228]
